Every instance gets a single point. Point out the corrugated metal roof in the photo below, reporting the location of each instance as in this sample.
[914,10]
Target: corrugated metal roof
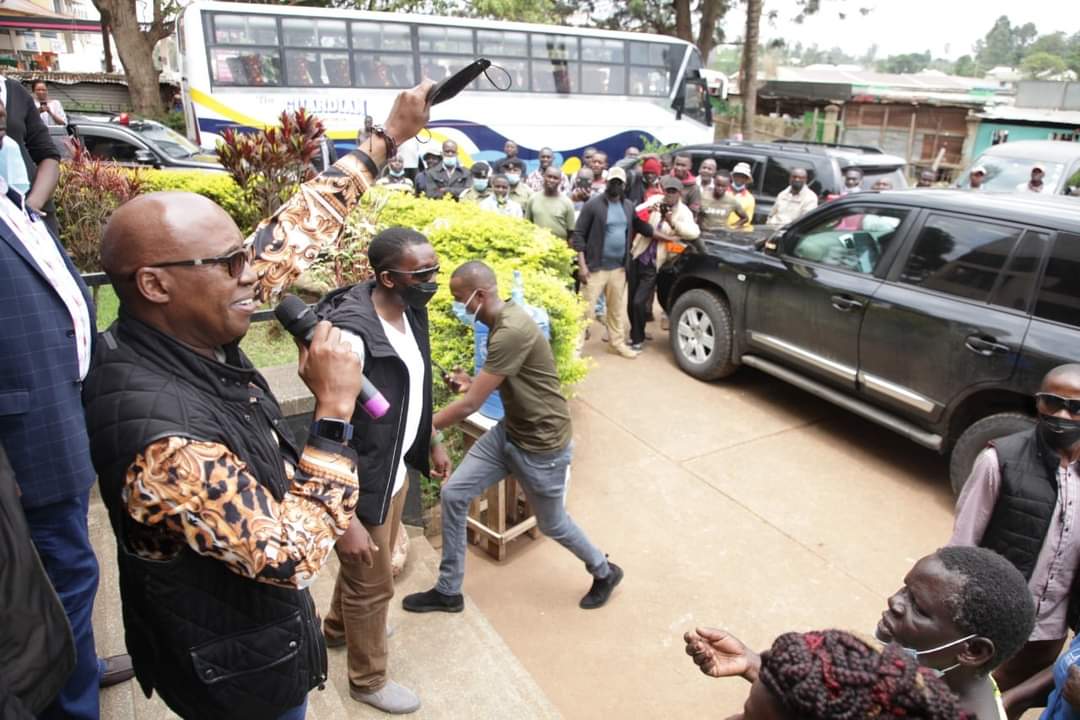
[845,75]
[1034,115]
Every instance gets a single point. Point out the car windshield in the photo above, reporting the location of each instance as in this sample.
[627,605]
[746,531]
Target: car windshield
[894,176]
[171,142]
[1006,174]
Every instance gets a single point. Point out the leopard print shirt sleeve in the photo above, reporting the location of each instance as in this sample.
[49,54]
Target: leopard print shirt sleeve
[199,494]
[286,244]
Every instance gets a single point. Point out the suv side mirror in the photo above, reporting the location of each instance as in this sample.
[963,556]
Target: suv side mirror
[773,244]
[145,157]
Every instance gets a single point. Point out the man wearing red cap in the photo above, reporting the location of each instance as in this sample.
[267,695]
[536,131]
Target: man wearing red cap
[646,183]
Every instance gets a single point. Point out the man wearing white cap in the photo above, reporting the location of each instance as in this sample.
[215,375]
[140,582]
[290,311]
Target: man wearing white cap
[741,176]
[976,177]
[1035,184]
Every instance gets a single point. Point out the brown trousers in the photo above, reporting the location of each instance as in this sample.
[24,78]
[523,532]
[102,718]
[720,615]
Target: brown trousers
[361,600]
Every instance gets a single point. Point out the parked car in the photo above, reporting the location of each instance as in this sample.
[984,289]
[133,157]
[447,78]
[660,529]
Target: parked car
[772,163]
[133,142]
[935,313]
[1008,166]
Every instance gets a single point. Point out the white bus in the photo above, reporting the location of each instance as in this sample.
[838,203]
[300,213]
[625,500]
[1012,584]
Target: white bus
[571,88]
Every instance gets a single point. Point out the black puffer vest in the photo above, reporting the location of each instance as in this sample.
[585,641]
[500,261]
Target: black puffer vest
[213,644]
[378,442]
[1025,506]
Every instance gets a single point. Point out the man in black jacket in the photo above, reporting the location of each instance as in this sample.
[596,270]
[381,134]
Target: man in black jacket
[1022,500]
[222,521]
[602,240]
[40,155]
[386,321]
[446,178]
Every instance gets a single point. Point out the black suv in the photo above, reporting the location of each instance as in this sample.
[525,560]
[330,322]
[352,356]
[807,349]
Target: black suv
[132,142]
[772,163]
[935,313]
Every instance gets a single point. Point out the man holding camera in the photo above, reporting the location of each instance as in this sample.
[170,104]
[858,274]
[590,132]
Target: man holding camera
[670,216]
[221,520]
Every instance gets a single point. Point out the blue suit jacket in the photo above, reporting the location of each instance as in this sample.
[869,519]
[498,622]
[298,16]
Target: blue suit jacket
[41,415]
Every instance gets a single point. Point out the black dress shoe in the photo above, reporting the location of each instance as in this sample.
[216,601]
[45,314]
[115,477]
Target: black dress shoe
[433,601]
[115,670]
[602,588]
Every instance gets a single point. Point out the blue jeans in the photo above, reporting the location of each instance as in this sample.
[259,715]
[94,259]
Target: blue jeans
[543,478]
[297,713]
[62,538]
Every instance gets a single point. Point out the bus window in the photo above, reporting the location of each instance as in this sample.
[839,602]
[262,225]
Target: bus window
[449,40]
[245,30]
[382,55]
[504,49]
[553,67]
[389,71]
[245,66]
[310,68]
[305,33]
[654,67]
[602,69]
[444,51]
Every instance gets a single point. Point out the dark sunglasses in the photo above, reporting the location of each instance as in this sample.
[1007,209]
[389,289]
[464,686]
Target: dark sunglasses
[423,274]
[1054,404]
[235,261]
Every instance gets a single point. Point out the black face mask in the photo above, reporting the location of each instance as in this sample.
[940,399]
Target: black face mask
[1059,433]
[797,187]
[418,295]
[613,192]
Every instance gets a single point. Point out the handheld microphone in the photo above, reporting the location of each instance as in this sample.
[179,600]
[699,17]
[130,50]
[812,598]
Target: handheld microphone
[300,320]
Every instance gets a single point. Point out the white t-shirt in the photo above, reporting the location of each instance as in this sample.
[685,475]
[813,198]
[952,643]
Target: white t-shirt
[405,346]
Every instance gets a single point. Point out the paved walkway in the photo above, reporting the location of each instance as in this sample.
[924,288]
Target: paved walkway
[458,663]
[745,503]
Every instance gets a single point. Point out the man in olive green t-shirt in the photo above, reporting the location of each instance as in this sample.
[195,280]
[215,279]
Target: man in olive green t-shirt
[550,208]
[532,442]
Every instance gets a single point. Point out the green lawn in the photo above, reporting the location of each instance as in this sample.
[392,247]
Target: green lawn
[266,343]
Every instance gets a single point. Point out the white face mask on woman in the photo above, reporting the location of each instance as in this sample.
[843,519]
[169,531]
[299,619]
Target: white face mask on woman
[916,653]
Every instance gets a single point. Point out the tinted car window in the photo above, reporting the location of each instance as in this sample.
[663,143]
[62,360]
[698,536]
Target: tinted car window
[106,148]
[1059,294]
[959,256]
[854,239]
[1014,290]
[778,174]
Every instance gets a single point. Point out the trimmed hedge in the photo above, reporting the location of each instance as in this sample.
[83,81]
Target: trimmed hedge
[460,232]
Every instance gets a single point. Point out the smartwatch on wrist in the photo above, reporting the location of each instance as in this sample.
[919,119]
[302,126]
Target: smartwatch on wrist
[333,429]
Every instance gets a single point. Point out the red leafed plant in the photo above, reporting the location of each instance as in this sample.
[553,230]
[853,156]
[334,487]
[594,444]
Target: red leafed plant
[270,164]
[88,191]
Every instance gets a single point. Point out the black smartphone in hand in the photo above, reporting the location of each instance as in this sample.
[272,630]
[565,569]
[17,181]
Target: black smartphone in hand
[451,86]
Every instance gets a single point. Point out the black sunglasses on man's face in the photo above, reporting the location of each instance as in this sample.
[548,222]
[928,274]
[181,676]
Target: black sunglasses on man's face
[235,261]
[1052,404]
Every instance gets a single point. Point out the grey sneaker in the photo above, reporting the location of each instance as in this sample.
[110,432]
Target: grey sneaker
[392,698]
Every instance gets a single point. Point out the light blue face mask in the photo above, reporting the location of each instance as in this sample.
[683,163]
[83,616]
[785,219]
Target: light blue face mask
[480,184]
[12,167]
[396,173]
[513,179]
[449,161]
[916,654]
[461,309]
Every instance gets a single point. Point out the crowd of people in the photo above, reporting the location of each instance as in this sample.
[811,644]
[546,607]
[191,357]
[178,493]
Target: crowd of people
[222,520]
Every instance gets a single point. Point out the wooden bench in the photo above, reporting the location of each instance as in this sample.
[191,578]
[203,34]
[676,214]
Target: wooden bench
[502,512]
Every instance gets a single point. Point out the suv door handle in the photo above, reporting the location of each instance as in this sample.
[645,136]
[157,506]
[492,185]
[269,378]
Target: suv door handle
[845,303]
[984,345]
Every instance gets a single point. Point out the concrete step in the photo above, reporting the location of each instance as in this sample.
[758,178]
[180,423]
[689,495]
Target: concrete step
[458,664]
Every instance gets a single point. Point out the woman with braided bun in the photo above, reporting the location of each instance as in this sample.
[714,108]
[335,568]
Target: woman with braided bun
[834,675]
[961,612]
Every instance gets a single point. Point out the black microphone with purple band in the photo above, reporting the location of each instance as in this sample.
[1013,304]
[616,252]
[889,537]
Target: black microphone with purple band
[300,320]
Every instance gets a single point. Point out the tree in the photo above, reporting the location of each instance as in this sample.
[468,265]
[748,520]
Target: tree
[135,46]
[677,18]
[1038,63]
[749,67]
[1005,44]
[906,63]
[965,67]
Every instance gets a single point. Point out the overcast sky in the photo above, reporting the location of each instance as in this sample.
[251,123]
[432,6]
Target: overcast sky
[948,28]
